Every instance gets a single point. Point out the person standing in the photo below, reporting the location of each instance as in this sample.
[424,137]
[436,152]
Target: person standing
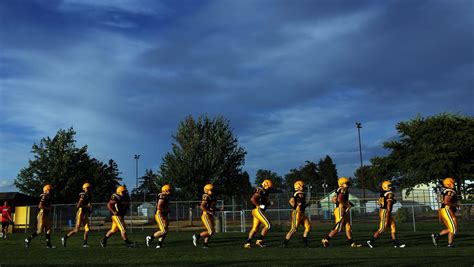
[6,218]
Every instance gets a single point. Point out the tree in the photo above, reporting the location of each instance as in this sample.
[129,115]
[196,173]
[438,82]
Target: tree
[328,172]
[59,162]
[309,174]
[205,151]
[430,149]
[277,180]
[149,187]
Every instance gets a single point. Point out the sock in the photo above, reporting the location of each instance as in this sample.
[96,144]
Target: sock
[105,238]
[152,237]
[328,238]
[305,240]
[262,237]
[249,240]
[65,236]
[48,239]
[372,239]
[197,236]
[127,241]
[350,241]
[33,235]
[285,242]
[437,235]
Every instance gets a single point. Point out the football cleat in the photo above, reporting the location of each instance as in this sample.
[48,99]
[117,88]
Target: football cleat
[247,245]
[103,243]
[260,243]
[371,244]
[325,242]
[130,245]
[148,241]
[355,245]
[435,240]
[158,246]
[63,241]
[398,245]
[50,246]
[85,246]
[195,240]
[451,246]
[27,243]
[205,246]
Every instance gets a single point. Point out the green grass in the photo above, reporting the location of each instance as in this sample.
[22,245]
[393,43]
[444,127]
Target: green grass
[227,249]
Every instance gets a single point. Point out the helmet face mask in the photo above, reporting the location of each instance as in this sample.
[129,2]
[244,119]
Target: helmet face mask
[121,190]
[299,185]
[47,189]
[387,185]
[166,189]
[86,187]
[267,184]
[344,182]
[449,182]
[208,189]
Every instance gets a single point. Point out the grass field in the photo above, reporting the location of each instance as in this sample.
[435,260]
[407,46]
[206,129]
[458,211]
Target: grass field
[227,249]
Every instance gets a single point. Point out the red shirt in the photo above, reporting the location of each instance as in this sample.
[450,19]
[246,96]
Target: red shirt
[6,215]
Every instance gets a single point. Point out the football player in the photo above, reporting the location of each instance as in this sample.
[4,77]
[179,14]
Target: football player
[449,205]
[161,216]
[43,222]
[386,201]
[298,204]
[208,207]
[84,209]
[341,212]
[118,206]
[260,201]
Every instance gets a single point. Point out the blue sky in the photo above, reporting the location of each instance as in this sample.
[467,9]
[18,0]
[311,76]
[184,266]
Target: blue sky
[292,77]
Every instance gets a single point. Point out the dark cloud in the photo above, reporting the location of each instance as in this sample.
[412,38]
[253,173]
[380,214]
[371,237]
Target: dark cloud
[292,78]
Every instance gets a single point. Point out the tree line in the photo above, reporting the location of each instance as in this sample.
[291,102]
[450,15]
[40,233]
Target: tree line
[205,150]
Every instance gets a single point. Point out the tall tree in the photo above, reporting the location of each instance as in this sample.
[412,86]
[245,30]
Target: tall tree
[328,172]
[59,162]
[205,150]
[309,174]
[148,188]
[277,180]
[430,149]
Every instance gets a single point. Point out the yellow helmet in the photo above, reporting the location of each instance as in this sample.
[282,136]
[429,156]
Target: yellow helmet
[47,188]
[86,185]
[208,189]
[267,184]
[386,185]
[299,185]
[121,189]
[343,180]
[448,182]
[166,188]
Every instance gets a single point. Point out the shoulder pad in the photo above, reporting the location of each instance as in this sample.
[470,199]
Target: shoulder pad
[205,197]
[342,190]
[260,190]
[44,196]
[388,195]
[115,197]
[297,193]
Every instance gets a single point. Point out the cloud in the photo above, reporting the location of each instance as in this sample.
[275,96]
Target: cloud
[291,78]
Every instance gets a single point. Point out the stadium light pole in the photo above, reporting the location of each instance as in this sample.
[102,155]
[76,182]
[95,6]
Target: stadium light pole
[136,157]
[362,178]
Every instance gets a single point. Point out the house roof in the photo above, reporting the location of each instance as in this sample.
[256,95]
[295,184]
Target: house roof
[16,198]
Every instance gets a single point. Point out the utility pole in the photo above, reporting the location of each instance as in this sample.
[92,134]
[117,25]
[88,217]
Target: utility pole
[362,178]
